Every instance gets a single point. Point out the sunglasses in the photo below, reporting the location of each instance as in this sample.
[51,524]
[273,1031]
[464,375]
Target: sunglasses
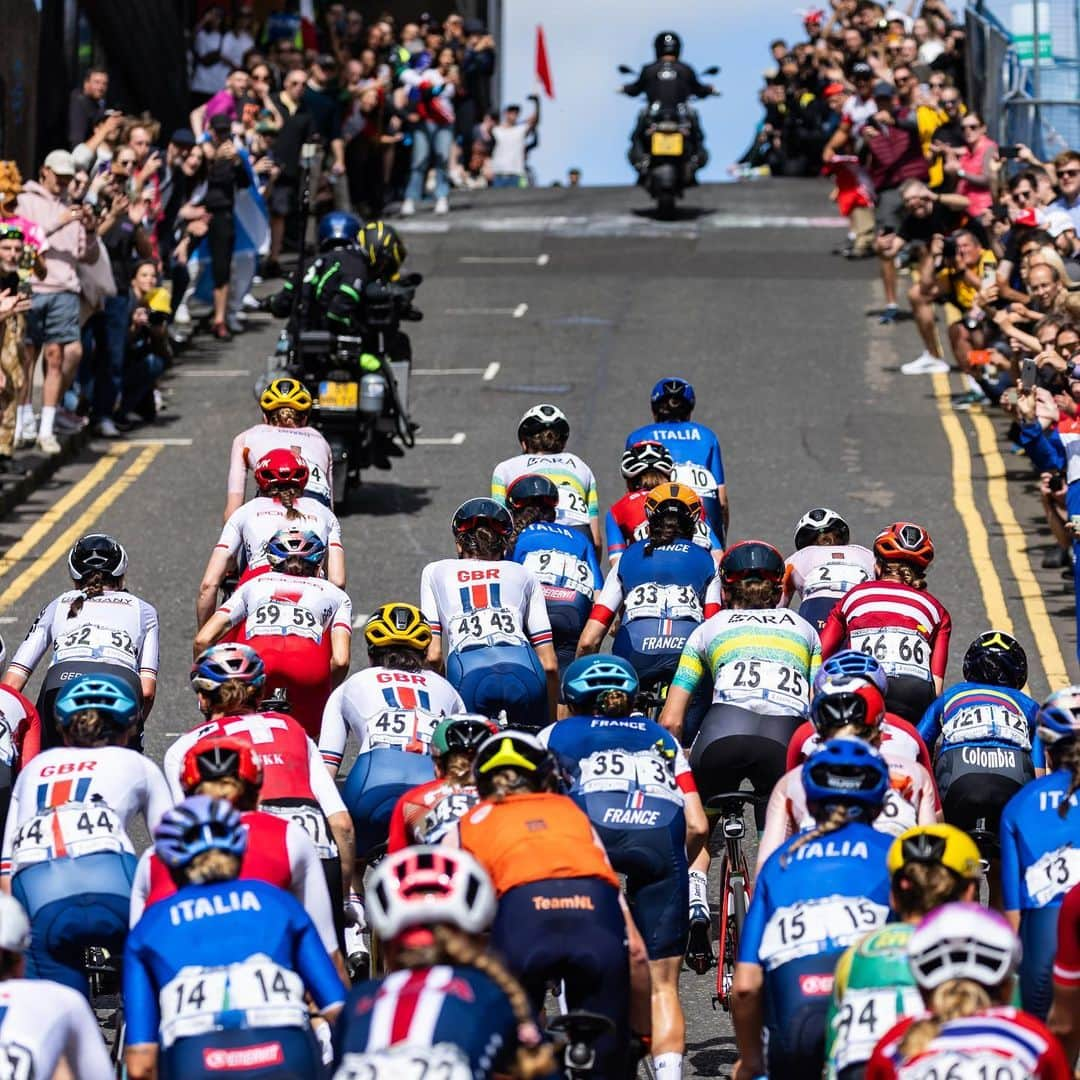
[971,127]
[1068,172]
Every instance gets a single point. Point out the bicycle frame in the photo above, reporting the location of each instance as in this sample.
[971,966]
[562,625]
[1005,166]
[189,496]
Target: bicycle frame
[735,877]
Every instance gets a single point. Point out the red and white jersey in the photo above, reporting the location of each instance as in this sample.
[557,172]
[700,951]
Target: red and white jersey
[820,571]
[471,602]
[1067,960]
[383,707]
[20,727]
[113,628]
[78,801]
[425,813]
[279,852]
[287,605]
[899,737]
[1001,1043]
[307,443]
[251,526]
[906,630]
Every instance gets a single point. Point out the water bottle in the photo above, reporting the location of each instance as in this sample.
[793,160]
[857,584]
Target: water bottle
[282,347]
[372,394]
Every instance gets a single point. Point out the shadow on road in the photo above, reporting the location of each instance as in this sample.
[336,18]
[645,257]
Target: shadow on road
[381,500]
[681,213]
[712,1057]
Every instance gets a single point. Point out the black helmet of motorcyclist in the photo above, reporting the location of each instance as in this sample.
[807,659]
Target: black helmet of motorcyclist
[667,43]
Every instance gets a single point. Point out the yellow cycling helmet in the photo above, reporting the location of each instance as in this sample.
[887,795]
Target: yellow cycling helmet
[285,393]
[397,623]
[943,844]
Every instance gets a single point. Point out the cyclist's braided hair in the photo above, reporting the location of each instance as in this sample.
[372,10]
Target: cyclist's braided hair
[242,795]
[529,515]
[397,657]
[950,1001]
[94,584]
[286,417]
[287,494]
[753,595]
[545,441]
[483,542]
[666,528]
[903,572]
[87,729]
[615,703]
[1068,757]
[208,867]
[919,888]
[233,695]
[838,817]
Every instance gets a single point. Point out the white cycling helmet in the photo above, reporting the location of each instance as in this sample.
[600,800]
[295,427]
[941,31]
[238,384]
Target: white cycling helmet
[541,417]
[963,941]
[14,925]
[423,886]
[814,522]
[643,456]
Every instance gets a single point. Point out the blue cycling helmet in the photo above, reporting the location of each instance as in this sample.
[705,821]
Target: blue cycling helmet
[851,664]
[222,663]
[845,772]
[1059,717]
[289,543]
[198,824]
[338,229]
[590,676]
[673,386]
[108,695]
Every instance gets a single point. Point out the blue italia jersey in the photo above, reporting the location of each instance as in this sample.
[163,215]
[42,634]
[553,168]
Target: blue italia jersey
[563,560]
[988,715]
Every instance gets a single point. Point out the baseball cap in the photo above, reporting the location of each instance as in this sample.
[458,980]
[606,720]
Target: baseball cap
[14,925]
[326,61]
[884,90]
[474,26]
[832,89]
[862,70]
[183,137]
[220,122]
[1057,222]
[60,162]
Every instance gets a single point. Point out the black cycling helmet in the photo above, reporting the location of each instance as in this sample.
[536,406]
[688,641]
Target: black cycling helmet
[338,229]
[996,658]
[533,762]
[532,487]
[667,43]
[752,560]
[97,553]
[382,245]
[482,511]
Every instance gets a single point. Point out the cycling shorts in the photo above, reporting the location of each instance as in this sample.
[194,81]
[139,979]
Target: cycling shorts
[735,744]
[816,610]
[59,677]
[73,903]
[652,647]
[976,790]
[797,996]
[272,1053]
[300,667]
[501,677]
[567,622]
[571,929]
[376,781]
[1038,936]
[909,696]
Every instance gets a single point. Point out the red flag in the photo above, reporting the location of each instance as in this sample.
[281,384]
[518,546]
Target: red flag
[543,68]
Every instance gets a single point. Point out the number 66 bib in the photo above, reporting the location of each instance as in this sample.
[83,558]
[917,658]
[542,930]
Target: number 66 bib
[899,652]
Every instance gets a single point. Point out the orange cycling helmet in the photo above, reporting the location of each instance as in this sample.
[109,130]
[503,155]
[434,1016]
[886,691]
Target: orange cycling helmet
[905,542]
[677,497]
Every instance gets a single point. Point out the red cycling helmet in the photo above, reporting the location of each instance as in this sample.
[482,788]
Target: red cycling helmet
[905,542]
[219,757]
[280,468]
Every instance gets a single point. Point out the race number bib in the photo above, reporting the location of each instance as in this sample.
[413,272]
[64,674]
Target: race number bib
[406,729]
[900,652]
[561,569]
[268,994]
[987,722]
[573,506]
[318,482]
[279,618]
[621,770]
[312,821]
[896,817]
[488,626]
[863,1018]
[441,1062]
[696,476]
[744,680]
[832,579]
[96,643]
[1052,875]
[653,601]
[68,832]
[16,1062]
[810,927]
[962,1065]
[446,812]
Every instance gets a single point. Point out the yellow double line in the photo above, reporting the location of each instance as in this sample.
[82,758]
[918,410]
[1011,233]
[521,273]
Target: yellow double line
[39,532]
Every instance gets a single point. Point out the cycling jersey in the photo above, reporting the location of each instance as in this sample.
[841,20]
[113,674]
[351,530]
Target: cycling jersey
[1067,960]
[821,574]
[761,660]
[897,736]
[20,728]
[872,988]
[626,522]
[251,527]
[385,707]
[425,813]
[578,501]
[307,443]
[42,1022]
[991,716]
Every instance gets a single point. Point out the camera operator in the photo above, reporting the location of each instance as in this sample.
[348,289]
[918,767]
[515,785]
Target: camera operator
[14,303]
[148,351]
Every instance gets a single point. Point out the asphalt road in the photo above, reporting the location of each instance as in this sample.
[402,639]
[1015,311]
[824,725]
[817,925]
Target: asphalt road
[582,299]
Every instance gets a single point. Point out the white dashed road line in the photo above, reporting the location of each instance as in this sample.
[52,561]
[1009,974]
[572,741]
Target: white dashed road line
[536,260]
[211,373]
[491,370]
[454,440]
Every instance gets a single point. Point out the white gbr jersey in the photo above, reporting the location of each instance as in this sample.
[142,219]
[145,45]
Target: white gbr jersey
[251,526]
[286,605]
[306,443]
[474,602]
[114,628]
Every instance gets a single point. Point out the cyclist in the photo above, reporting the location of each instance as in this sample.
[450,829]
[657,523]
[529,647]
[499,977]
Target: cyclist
[1064,1018]
[543,433]
[42,1022]
[286,408]
[634,782]
[822,891]
[897,621]
[298,622]
[67,856]
[489,621]
[448,1007]
[963,958]
[825,564]
[215,976]
[1039,855]
[563,560]
[694,448]
[96,627]
[873,987]
[281,504]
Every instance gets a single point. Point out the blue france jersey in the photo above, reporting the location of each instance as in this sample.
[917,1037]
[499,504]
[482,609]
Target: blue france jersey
[563,559]
[988,715]
[231,954]
[674,582]
[1040,849]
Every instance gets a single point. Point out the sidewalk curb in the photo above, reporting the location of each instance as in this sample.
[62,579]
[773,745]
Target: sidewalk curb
[41,467]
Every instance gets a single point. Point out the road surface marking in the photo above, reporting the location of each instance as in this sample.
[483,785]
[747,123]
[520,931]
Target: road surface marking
[211,373]
[520,310]
[62,544]
[9,618]
[359,620]
[449,371]
[491,370]
[158,442]
[534,260]
[454,440]
[511,311]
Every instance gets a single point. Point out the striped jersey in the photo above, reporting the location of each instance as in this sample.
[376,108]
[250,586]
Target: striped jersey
[971,712]
[578,501]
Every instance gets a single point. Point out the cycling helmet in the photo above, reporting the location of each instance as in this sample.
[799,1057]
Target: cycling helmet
[680,498]
[338,229]
[859,702]
[382,245]
[996,658]
[482,511]
[279,468]
[667,43]
[540,418]
[397,623]
[198,824]
[291,543]
[222,663]
[751,560]
[14,925]
[943,844]
[587,677]
[97,553]
[513,750]
[221,757]
[645,456]
[846,772]
[850,664]
[905,542]
[1059,716]
[673,387]
[108,695]
[420,887]
[963,941]
[461,732]
[817,521]
[532,487]
[285,393]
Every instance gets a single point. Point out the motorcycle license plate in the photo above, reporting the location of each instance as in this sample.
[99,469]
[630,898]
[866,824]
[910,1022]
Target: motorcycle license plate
[339,395]
[667,144]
